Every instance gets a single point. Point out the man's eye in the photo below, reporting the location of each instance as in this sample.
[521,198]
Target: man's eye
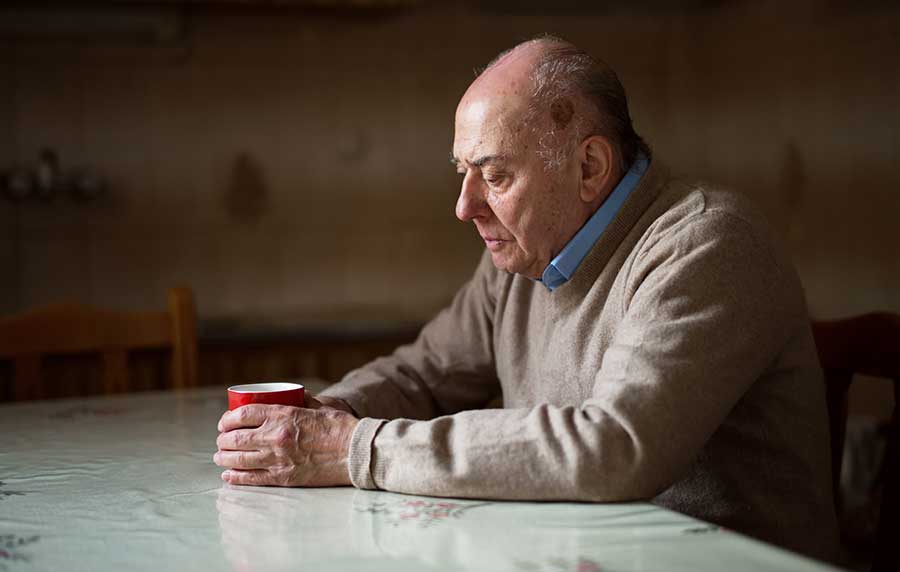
[494,180]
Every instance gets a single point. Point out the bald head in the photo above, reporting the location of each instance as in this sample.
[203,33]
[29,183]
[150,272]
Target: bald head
[560,92]
[509,75]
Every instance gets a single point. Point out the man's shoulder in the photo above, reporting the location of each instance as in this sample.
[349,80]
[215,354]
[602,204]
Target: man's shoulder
[719,231]
[704,234]
[699,210]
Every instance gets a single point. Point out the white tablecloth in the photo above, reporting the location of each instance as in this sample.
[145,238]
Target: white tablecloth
[128,483]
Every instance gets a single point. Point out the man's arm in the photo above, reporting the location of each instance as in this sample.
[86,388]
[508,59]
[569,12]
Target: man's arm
[705,317]
[449,368]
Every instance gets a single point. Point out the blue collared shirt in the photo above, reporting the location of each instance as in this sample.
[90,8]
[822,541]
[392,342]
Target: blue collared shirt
[561,268]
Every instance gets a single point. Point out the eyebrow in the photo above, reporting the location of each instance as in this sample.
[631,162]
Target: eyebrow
[480,161]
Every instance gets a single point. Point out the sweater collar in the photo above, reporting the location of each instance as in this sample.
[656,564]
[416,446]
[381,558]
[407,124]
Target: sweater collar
[639,200]
[561,268]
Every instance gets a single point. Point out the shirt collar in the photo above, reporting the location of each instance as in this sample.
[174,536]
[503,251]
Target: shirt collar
[561,268]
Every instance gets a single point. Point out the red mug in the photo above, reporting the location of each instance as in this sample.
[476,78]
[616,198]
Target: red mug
[272,393]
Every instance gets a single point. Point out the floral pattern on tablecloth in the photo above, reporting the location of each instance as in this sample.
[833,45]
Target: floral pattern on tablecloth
[11,546]
[421,512]
[6,494]
[82,412]
[581,564]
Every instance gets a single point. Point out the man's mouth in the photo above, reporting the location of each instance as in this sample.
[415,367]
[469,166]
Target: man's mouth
[493,243]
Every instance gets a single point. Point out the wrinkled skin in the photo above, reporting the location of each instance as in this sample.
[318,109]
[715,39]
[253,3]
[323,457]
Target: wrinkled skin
[286,446]
[524,211]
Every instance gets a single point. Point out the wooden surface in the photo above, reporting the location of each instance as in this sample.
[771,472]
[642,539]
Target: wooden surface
[75,329]
[223,360]
[183,315]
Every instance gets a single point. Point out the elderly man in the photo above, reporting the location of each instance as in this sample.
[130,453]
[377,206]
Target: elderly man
[647,337]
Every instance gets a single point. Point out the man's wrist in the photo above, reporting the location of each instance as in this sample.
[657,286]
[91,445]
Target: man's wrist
[348,439]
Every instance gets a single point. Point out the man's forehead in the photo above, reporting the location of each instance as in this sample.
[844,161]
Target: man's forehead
[490,114]
[488,125]
[500,93]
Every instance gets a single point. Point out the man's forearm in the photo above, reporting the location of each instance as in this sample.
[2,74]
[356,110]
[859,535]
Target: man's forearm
[544,453]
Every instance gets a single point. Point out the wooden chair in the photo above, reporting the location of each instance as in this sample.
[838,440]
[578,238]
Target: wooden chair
[60,329]
[867,345]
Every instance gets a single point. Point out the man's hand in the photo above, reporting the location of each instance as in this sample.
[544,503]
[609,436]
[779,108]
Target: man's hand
[286,446]
[334,403]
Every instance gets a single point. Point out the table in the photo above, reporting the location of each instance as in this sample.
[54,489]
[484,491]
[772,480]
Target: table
[128,483]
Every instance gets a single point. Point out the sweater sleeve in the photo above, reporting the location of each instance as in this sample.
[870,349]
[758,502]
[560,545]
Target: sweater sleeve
[702,320]
[450,366]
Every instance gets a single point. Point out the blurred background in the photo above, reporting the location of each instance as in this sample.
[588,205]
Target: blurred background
[288,159]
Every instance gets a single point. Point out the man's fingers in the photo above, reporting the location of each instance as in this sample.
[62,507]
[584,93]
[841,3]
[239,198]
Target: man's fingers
[238,440]
[238,477]
[241,459]
[246,416]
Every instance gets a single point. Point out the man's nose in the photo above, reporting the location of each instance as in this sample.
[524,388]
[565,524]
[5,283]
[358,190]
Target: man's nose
[470,204]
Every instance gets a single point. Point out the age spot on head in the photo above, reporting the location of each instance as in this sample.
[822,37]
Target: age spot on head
[561,111]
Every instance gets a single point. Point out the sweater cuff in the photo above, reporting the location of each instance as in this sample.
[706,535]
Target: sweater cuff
[359,461]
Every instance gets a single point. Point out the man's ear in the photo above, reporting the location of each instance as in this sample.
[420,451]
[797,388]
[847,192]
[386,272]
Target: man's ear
[597,167]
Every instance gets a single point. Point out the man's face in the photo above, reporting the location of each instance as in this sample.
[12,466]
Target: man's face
[524,213]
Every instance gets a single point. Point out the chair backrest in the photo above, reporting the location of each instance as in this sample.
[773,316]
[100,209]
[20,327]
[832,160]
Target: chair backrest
[867,345]
[60,329]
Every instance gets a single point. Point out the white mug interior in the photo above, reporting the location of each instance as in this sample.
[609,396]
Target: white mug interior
[267,387]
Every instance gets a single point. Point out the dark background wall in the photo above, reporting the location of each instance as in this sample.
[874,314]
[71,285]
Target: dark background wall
[291,164]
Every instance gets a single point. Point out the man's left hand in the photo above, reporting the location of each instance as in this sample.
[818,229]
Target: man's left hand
[285,446]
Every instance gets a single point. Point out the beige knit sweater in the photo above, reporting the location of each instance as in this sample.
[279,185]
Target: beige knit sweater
[676,365]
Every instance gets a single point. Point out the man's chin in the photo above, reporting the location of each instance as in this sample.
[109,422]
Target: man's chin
[501,262]
[509,264]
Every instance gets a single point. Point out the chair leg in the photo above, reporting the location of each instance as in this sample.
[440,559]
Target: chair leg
[887,553]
